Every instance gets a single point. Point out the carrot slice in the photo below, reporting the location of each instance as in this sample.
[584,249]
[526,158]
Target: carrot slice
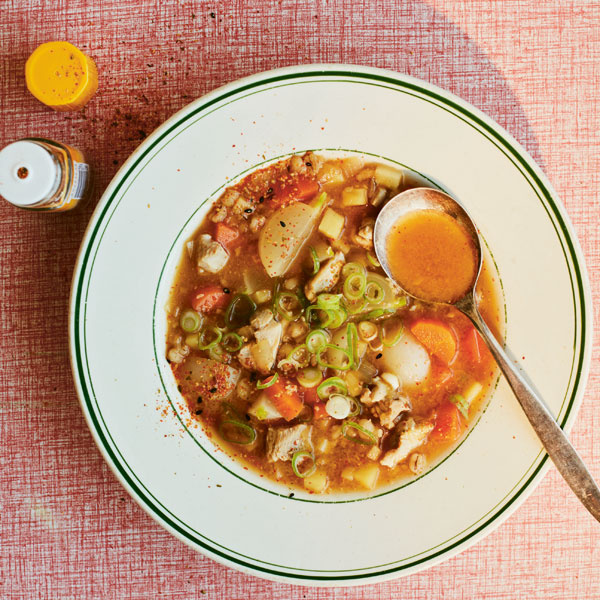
[209,298]
[437,338]
[296,188]
[285,397]
[448,423]
[226,236]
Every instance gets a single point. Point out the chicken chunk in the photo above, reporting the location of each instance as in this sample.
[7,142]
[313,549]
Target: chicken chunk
[411,437]
[211,257]
[384,387]
[264,350]
[282,442]
[245,357]
[326,278]
[364,235]
[389,410]
[261,318]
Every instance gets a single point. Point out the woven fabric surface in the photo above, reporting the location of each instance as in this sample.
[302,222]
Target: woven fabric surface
[68,530]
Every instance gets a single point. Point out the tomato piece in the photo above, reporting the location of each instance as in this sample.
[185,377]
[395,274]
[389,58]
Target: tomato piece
[285,397]
[209,298]
[226,235]
[310,395]
[474,346]
[448,423]
[319,411]
[437,338]
[295,188]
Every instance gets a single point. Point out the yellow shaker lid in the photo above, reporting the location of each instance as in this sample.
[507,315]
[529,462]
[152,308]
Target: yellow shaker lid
[61,76]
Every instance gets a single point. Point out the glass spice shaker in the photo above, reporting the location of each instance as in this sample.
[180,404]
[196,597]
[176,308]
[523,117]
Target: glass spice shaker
[40,174]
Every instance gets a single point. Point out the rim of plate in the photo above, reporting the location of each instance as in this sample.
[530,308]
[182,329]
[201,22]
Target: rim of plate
[486,127]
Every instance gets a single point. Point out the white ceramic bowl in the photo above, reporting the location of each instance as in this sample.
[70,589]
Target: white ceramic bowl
[126,265]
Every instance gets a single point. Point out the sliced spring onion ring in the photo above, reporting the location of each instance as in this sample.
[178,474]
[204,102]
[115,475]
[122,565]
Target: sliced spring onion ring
[356,438]
[217,353]
[300,456]
[368,331]
[299,356]
[352,343]
[268,382]
[325,301]
[338,317]
[242,428]
[390,342]
[203,344]
[355,285]
[288,305]
[239,311]
[356,407]
[315,259]
[353,267]
[374,293]
[326,365]
[373,260]
[330,386]
[190,321]
[232,342]
[316,339]
[309,377]
[230,411]
[356,308]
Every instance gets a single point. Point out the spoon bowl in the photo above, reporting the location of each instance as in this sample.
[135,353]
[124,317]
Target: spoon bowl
[560,450]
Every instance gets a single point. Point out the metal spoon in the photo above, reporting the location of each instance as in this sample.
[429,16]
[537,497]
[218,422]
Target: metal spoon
[558,447]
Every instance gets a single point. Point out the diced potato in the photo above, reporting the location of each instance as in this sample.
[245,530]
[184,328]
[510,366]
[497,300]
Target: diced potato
[262,296]
[323,250]
[354,196]
[388,177]
[365,174]
[352,165]
[192,340]
[348,473]
[316,483]
[330,174]
[353,382]
[332,224]
[470,394]
[367,475]
[322,446]
[263,409]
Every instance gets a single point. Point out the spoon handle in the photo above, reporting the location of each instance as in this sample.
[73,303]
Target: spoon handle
[565,457]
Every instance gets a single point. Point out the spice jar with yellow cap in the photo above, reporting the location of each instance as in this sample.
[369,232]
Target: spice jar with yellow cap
[61,76]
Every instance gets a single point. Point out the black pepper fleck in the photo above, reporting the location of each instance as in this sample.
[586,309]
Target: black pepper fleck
[282,223]
[379,355]
[226,291]
[179,388]
[248,210]
[199,412]
[261,199]
[308,164]
[213,390]
[199,399]
[291,495]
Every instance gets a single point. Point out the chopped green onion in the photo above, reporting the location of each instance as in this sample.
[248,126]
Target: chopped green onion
[352,343]
[367,330]
[374,293]
[356,307]
[320,201]
[230,411]
[288,305]
[313,308]
[300,456]
[316,339]
[401,302]
[232,342]
[373,260]
[331,386]
[340,367]
[240,310]
[355,285]
[309,377]
[217,353]
[356,407]
[461,403]
[353,267]
[356,438]
[203,344]
[190,321]
[306,414]
[378,312]
[299,356]
[326,301]
[315,259]
[230,426]
[391,342]
[261,385]
[339,317]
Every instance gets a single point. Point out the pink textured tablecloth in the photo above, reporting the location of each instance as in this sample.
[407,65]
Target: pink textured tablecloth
[68,530]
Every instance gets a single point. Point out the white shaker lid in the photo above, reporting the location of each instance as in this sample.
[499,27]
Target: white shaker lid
[28,173]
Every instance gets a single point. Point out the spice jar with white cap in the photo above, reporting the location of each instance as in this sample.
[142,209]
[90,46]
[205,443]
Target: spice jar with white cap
[40,174]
